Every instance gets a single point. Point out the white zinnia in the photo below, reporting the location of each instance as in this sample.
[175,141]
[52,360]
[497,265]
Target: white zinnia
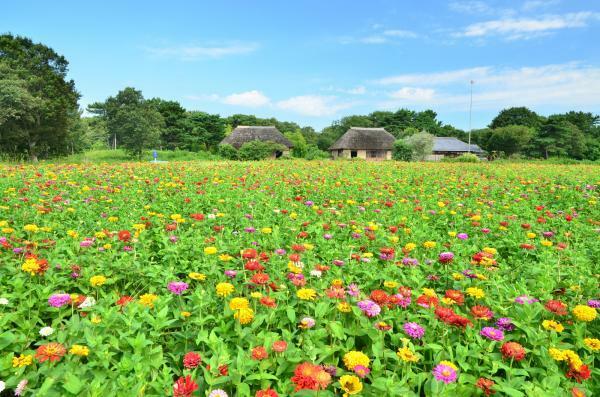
[46,331]
[3,301]
[88,302]
[2,386]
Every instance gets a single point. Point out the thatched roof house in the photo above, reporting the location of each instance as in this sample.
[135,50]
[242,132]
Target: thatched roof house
[244,134]
[365,143]
[444,146]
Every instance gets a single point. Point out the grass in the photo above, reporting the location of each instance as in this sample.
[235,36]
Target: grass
[118,156]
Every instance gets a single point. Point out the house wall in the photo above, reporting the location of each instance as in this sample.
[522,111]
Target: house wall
[361,154]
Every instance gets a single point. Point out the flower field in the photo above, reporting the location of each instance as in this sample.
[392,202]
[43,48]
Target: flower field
[286,278]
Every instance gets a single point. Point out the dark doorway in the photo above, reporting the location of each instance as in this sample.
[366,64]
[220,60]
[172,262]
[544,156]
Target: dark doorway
[353,153]
[278,154]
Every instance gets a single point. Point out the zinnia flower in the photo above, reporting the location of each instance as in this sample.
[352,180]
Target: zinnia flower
[444,373]
[52,351]
[492,333]
[584,313]
[97,281]
[370,308]
[306,294]
[513,350]
[191,360]
[184,387]
[79,350]
[414,330]
[177,287]
[354,358]
[350,385]
[224,289]
[218,393]
[59,300]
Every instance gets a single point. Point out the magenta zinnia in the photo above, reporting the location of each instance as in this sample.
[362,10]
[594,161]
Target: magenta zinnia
[444,373]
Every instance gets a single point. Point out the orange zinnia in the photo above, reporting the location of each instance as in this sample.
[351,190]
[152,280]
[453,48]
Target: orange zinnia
[52,351]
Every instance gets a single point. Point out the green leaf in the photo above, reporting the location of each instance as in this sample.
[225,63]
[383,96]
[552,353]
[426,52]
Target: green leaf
[72,384]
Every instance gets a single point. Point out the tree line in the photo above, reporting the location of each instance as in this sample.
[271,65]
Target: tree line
[40,117]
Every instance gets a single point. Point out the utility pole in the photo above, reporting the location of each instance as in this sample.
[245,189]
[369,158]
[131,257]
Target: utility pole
[470,112]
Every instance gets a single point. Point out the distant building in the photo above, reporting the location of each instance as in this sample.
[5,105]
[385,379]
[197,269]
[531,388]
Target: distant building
[364,143]
[452,147]
[244,134]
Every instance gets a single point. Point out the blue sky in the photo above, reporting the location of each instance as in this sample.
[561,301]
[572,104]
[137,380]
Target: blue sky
[316,61]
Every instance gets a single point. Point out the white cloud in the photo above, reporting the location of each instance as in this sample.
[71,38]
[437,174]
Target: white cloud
[535,4]
[251,99]
[360,90]
[438,78]
[413,94]
[528,27]
[196,52]
[471,7]
[565,86]
[313,105]
[373,40]
[400,33]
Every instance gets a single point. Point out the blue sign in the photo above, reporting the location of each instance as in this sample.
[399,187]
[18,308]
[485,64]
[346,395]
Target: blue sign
[155,154]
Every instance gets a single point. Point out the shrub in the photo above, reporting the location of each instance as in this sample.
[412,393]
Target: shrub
[421,145]
[463,158]
[228,152]
[402,151]
[314,153]
[259,150]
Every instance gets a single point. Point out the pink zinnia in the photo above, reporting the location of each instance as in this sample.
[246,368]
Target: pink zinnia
[414,330]
[444,373]
[492,333]
[59,300]
[370,308]
[361,370]
[177,287]
[446,257]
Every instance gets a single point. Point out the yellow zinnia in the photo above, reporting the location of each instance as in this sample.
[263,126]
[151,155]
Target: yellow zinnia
[224,289]
[592,343]
[552,325]
[97,281]
[244,316]
[584,313]
[407,355]
[354,358]
[148,300]
[238,303]
[79,350]
[306,294]
[350,385]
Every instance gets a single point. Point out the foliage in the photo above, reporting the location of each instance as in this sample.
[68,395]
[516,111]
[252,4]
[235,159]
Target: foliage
[37,102]
[510,140]
[517,116]
[463,158]
[421,145]
[402,151]
[259,150]
[228,152]
[314,153]
[300,147]
[338,262]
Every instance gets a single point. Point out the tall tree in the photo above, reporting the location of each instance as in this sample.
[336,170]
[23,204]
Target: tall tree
[510,139]
[517,116]
[174,116]
[38,101]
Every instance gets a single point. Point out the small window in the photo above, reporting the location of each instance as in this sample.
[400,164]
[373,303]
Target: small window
[353,153]
[340,152]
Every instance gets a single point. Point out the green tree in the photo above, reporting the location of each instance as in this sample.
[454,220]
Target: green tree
[511,139]
[421,145]
[517,116]
[558,137]
[203,131]
[174,116]
[402,151]
[300,146]
[139,128]
[38,102]
[259,150]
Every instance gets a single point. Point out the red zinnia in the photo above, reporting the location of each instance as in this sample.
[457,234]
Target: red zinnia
[259,353]
[184,387]
[249,253]
[268,302]
[266,393]
[124,235]
[253,266]
[380,297]
[260,278]
[513,350]
[191,360]
[556,307]
[279,346]
[482,312]
[124,300]
[579,375]
[456,296]
[52,351]
[486,386]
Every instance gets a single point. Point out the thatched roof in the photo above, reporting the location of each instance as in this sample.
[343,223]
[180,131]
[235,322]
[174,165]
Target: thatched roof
[451,144]
[358,138]
[243,134]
